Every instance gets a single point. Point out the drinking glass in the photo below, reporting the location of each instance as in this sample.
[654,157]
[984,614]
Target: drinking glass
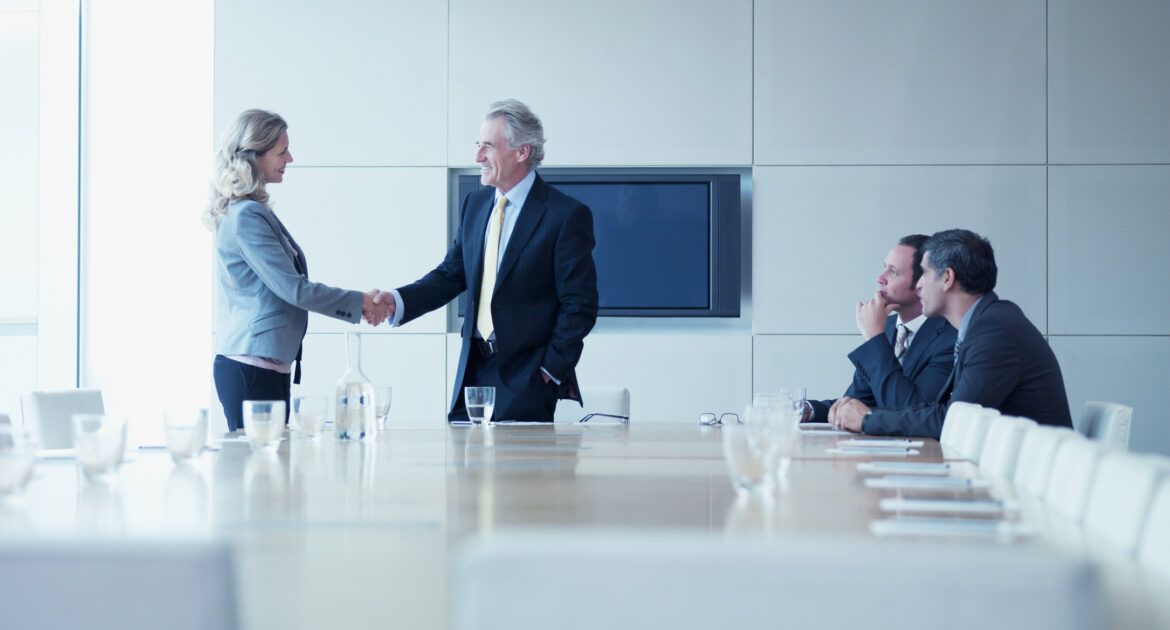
[480,402]
[264,424]
[751,449]
[308,414]
[100,443]
[186,433]
[382,395]
[18,451]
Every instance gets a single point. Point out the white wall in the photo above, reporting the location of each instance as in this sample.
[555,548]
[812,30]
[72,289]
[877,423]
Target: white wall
[861,122]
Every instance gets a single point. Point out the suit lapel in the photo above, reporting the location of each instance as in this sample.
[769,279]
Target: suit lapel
[297,256]
[473,246]
[530,216]
[924,337]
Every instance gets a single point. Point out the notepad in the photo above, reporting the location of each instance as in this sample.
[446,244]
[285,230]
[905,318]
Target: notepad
[920,482]
[821,428]
[925,526]
[950,506]
[884,451]
[906,468]
[880,443]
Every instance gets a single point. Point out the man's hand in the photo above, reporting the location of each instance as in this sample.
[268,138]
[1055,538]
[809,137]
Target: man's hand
[848,413]
[377,307]
[872,315]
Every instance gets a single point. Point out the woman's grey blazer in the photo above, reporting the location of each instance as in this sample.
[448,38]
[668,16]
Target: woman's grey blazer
[263,291]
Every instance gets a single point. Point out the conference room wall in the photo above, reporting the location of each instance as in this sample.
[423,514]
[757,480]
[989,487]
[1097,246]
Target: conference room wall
[17,377]
[850,113]
[617,83]
[360,83]
[820,234]
[671,377]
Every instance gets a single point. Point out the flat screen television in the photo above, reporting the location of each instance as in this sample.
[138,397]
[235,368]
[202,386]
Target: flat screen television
[668,245]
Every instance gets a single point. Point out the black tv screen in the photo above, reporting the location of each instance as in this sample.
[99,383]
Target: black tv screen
[667,244]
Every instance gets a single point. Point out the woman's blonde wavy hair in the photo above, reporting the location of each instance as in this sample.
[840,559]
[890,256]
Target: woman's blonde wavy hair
[236,173]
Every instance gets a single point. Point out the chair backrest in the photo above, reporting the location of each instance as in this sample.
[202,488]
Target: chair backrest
[751,584]
[1120,497]
[116,584]
[1037,452]
[971,437]
[1154,549]
[47,414]
[4,421]
[956,423]
[1001,448]
[1071,477]
[611,401]
[1107,423]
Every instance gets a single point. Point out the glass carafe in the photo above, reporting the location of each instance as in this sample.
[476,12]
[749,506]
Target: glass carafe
[355,395]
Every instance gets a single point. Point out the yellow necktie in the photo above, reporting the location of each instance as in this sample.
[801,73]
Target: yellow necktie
[491,256]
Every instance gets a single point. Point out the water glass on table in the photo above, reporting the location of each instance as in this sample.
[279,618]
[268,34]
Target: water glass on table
[18,451]
[752,451]
[480,403]
[100,443]
[186,433]
[382,395]
[264,424]
[308,415]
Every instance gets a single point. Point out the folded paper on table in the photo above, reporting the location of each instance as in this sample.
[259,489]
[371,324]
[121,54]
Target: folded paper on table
[872,452]
[905,468]
[920,482]
[923,526]
[952,506]
[881,443]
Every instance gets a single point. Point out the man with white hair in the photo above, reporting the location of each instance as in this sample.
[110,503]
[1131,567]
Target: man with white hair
[524,254]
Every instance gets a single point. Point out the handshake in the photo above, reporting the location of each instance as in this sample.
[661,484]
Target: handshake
[377,306]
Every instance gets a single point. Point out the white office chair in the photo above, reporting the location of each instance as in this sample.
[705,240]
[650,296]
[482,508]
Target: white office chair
[1120,498]
[611,404]
[955,423]
[1154,549]
[1001,448]
[1037,452]
[690,581]
[970,431]
[1107,423]
[47,414]
[1071,477]
[125,585]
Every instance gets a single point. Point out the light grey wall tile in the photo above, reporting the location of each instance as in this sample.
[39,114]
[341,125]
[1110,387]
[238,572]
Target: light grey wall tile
[656,82]
[819,363]
[18,372]
[1109,258]
[363,228]
[412,364]
[1109,81]
[860,82]
[1133,371]
[820,234]
[360,83]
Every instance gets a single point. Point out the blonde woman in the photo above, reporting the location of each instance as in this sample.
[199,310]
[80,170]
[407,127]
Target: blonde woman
[262,283]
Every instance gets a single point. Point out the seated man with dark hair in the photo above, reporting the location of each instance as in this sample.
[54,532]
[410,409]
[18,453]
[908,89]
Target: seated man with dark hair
[906,356]
[1002,361]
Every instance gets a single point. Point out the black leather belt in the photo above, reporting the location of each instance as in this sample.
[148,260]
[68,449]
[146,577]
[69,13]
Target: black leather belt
[486,348]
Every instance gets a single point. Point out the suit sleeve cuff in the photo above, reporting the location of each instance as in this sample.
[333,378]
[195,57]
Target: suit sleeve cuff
[399,310]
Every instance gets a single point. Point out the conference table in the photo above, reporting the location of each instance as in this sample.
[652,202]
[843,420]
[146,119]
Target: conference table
[361,534]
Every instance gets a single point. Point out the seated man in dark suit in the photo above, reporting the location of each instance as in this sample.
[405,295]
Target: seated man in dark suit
[1002,361]
[906,356]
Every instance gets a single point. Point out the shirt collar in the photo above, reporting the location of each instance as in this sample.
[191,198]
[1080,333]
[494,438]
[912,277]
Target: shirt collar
[519,192]
[966,323]
[914,324]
